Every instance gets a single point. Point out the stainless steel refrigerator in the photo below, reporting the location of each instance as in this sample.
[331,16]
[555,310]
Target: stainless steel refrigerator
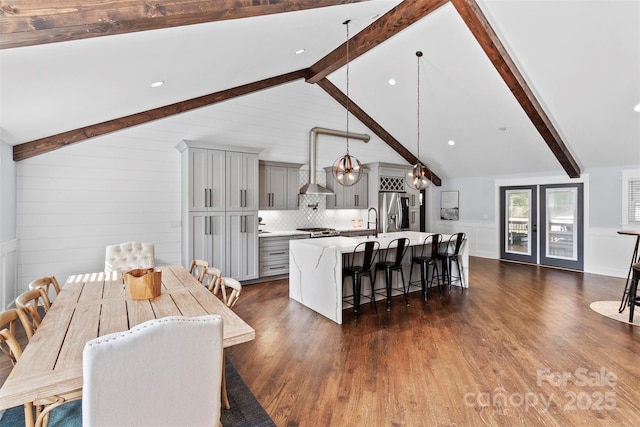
[394,212]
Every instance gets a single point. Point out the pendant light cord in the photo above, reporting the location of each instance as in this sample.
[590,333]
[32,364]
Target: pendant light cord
[347,24]
[418,55]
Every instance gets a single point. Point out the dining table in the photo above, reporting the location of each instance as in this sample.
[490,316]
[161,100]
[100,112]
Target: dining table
[95,304]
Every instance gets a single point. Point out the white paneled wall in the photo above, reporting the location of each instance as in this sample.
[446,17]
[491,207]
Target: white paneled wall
[73,202]
[606,252]
[8,272]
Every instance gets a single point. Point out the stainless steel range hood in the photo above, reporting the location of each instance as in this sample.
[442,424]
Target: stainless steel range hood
[313,187]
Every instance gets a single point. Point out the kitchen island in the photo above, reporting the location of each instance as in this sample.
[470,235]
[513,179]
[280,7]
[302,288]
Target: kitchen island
[315,269]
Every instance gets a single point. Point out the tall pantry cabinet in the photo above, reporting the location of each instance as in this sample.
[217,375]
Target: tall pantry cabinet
[220,207]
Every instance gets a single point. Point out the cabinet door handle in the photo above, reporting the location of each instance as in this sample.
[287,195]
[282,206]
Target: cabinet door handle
[277,253]
[210,198]
[278,268]
[210,225]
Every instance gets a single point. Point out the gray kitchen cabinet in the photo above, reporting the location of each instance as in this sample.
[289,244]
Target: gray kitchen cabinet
[242,245]
[220,207]
[274,254]
[206,178]
[207,232]
[279,185]
[241,181]
[353,197]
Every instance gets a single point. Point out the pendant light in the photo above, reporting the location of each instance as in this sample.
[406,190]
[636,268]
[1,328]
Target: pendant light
[419,180]
[347,170]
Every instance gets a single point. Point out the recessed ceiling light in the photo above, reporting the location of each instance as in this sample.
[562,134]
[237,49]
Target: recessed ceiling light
[157,84]
[637,108]
[376,16]
[502,128]
[299,51]
[392,82]
[451,142]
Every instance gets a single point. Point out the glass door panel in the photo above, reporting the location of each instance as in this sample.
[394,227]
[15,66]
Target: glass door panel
[562,222]
[518,219]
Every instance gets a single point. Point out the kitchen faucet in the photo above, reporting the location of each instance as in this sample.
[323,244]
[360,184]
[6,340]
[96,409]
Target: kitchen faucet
[376,222]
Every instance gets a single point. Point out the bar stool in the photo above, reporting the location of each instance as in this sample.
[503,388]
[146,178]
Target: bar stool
[356,272]
[633,298]
[450,254]
[389,265]
[426,255]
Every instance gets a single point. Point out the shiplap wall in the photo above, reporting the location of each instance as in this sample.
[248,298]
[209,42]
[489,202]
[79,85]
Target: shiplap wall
[73,202]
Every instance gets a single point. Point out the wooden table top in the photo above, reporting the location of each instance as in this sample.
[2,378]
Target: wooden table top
[630,232]
[95,304]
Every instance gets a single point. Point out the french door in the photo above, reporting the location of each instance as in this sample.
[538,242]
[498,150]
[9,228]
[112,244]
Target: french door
[543,224]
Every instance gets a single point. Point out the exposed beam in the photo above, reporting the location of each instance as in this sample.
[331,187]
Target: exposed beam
[28,22]
[492,46]
[391,23]
[50,143]
[358,113]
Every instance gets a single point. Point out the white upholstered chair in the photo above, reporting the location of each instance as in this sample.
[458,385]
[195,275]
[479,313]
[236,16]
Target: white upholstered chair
[129,255]
[162,372]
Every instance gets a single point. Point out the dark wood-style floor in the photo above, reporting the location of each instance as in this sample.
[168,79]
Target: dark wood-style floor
[520,347]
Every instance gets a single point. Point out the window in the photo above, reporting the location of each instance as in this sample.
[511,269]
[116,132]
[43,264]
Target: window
[631,197]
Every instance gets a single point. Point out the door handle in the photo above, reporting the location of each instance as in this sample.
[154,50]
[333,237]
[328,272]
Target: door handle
[210,198]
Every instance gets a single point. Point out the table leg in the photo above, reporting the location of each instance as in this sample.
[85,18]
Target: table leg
[225,398]
[625,295]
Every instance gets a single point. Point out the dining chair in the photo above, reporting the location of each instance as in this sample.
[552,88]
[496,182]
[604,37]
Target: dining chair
[128,256]
[369,251]
[393,256]
[10,346]
[450,253]
[197,266]
[45,283]
[210,278]
[29,303]
[426,255]
[230,290]
[164,371]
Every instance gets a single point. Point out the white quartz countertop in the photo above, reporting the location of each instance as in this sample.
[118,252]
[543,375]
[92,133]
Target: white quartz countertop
[348,244]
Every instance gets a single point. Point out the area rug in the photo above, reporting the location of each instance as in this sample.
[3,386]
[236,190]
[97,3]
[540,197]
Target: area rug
[245,410]
[610,309]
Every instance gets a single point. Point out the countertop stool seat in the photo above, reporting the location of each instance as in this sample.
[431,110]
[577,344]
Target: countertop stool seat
[356,272]
[634,299]
[451,253]
[427,255]
[393,256]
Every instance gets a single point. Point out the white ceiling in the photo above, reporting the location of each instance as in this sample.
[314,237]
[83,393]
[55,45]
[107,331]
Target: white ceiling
[581,58]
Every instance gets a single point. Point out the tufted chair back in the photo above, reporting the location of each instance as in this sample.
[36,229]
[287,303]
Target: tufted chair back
[129,255]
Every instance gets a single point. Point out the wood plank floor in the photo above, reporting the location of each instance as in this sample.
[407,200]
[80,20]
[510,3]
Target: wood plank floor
[520,347]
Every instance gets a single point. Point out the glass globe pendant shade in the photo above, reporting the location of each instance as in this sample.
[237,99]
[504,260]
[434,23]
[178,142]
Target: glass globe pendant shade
[419,179]
[347,170]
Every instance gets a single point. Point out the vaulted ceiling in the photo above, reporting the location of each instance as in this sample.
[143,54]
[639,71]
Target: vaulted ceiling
[520,86]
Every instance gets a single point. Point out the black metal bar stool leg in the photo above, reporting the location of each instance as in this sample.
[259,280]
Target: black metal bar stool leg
[387,275]
[357,285]
[633,289]
[423,278]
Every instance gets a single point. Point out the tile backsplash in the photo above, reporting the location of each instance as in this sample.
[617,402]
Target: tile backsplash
[307,216]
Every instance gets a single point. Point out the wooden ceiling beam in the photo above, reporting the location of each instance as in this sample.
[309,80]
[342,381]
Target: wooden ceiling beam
[498,55]
[27,22]
[368,121]
[50,143]
[391,23]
